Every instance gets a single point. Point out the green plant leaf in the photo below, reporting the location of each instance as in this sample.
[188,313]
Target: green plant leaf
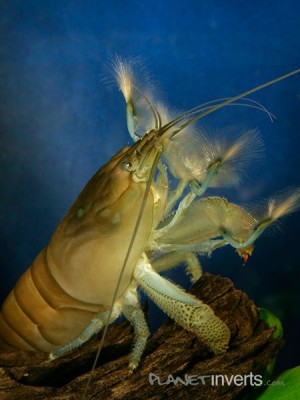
[272,322]
[285,386]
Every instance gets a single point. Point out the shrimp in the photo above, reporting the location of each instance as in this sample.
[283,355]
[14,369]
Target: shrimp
[128,225]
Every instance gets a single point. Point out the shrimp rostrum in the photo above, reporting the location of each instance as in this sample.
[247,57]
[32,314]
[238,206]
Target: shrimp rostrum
[142,213]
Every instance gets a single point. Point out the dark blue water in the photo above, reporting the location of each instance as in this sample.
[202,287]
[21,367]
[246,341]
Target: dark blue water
[59,122]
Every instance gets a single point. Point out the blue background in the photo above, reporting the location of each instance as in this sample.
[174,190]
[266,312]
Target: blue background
[59,122]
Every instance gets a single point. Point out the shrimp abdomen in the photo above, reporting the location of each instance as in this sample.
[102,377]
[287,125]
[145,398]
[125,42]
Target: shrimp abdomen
[38,314]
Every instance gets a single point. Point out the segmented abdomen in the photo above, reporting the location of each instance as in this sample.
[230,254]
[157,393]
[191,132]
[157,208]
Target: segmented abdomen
[38,314]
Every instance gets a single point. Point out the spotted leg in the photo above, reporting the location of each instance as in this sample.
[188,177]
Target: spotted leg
[132,311]
[185,309]
[95,325]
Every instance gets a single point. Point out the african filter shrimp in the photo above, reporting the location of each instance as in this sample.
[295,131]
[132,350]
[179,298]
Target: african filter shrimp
[128,221]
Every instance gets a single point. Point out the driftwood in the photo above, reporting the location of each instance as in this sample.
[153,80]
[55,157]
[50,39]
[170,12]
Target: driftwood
[170,351]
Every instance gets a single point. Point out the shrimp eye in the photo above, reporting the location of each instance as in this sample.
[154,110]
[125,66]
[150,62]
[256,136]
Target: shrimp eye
[126,164]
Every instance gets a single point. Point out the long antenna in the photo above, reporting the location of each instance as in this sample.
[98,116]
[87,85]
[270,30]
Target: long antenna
[212,109]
